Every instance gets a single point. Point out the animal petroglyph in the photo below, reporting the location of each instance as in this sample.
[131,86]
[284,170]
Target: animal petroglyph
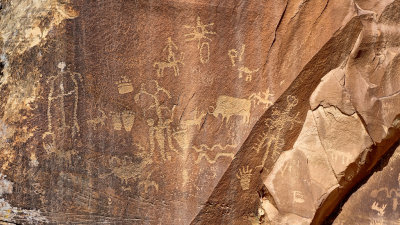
[236,56]
[98,120]
[58,92]
[160,133]
[244,175]
[126,169]
[171,62]
[200,34]
[196,121]
[204,150]
[280,121]
[262,98]
[227,106]
[244,70]
[124,85]
[380,209]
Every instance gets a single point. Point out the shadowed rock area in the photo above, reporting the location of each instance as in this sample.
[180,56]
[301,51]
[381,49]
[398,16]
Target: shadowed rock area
[199,112]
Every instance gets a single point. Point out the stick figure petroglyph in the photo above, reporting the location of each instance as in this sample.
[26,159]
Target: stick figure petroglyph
[171,62]
[58,92]
[199,33]
[279,122]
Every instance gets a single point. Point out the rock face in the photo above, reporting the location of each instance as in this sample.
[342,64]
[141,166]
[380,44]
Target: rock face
[199,111]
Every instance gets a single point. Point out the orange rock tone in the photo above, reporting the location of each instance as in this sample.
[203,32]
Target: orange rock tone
[199,112]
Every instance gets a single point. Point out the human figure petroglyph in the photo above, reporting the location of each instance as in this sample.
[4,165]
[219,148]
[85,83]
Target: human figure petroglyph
[171,62]
[124,85]
[262,98]
[55,101]
[236,57]
[227,107]
[244,175]
[160,131]
[200,34]
[280,121]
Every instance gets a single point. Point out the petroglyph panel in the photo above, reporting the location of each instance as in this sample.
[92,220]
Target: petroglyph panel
[147,112]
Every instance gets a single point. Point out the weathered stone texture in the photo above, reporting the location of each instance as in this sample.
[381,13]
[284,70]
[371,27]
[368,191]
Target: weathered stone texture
[198,111]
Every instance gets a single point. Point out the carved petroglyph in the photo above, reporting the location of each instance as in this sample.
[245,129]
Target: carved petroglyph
[98,120]
[128,117]
[204,150]
[171,62]
[343,158]
[262,98]
[125,168]
[379,209]
[183,138]
[124,85]
[227,106]
[160,132]
[55,102]
[197,120]
[298,197]
[124,119]
[384,192]
[244,175]
[116,121]
[148,184]
[280,121]
[236,56]
[200,34]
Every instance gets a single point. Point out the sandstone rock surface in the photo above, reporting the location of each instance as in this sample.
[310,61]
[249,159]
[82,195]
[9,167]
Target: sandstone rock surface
[199,111]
